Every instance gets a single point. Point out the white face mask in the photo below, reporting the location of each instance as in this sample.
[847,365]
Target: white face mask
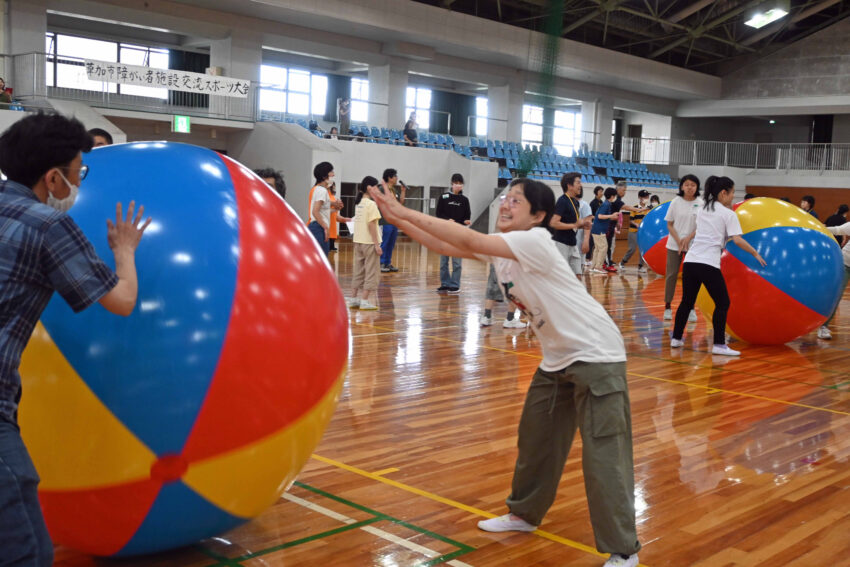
[64,205]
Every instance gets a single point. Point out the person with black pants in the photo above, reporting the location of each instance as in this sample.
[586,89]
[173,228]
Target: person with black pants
[454,206]
[715,226]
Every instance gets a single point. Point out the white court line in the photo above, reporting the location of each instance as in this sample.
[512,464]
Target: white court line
[372,530]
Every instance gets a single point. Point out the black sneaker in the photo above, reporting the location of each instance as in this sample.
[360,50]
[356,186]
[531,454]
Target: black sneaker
[385,268]
[454,290]
[442,288]
[391,268]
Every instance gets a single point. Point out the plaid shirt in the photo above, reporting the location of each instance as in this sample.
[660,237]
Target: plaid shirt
[41,251]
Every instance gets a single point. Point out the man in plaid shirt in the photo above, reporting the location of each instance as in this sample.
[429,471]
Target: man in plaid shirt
[42,250]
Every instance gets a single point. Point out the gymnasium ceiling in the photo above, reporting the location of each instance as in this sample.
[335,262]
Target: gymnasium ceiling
[704,35]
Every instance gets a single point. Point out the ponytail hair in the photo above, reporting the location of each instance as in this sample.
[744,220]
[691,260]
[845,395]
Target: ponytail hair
[713,186]
[367,182]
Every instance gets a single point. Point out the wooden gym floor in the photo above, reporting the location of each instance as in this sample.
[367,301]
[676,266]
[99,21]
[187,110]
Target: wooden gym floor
[738,462]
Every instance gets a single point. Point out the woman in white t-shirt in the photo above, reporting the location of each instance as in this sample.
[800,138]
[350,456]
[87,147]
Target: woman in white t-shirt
[581,381]
[367,248]
[715,226]
[681,223]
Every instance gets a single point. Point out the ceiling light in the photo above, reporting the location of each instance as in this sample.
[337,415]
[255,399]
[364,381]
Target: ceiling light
[768,12]
[773,121]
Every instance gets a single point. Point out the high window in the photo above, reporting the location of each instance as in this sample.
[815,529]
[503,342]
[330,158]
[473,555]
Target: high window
[566,135]
[66,55]
[292,91]
[359,100]
[419,101]
[532,124]
[481,111]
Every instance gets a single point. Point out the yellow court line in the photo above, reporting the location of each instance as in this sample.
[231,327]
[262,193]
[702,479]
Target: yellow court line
[452,503]
[382,472]
[754,396]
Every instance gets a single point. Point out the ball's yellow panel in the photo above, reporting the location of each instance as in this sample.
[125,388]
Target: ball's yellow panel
[248,480]
[764,212]
[74,440]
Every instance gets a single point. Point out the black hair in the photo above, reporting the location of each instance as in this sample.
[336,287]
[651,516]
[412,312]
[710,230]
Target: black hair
[32,146]
[749,196]
[643,193]
[688,177]
[389,173]
[102,133]
[655,198]
[842,209]
[610,192]
[713,186]
[569,178]
[597,189]
[810,200]
[368,181]
[279,183]
[786,199]
[539,197]
[457,178]
[322,171]
[334,128]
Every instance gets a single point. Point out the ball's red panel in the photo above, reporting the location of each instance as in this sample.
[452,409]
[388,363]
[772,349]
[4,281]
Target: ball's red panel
[114,513]
[656,257]
[288,334]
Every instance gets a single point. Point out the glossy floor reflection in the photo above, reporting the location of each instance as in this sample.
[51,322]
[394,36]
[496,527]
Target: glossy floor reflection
[738,461]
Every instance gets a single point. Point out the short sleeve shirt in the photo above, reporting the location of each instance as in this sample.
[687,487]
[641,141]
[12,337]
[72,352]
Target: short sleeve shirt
[683,214]
[321,194]
[42,251]
[570,324]
[365,212]
[600,226]
[714,228]
[567,209]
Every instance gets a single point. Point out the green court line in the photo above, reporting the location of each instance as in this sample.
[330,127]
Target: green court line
[221,561]
[461,546]
[341,529]
[840,386]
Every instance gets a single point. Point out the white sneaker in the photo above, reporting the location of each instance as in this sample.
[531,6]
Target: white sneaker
[485,321]
[617,561]
[352,302]
[824,333]
[668,314]
[676,343]
[506,523]
[641,269]
[692,316]
[366,306]
[514,323]
[724,350]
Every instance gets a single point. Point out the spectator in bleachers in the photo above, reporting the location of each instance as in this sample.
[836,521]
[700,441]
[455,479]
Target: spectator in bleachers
[454,206]
[320,205]
[635,219]
[681,220]
[567,220]
[808,205]
[101,137]
[5,95]
[274,179]
[333,134]
[390,231]
[409,132]
[343,106]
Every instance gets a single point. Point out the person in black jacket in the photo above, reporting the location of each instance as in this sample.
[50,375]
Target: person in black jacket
[453,206]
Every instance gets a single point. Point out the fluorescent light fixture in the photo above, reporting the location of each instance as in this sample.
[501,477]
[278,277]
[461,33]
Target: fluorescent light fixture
[773,121]
[763,18]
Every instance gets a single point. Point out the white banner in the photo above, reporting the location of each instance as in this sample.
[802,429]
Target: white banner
[170,79]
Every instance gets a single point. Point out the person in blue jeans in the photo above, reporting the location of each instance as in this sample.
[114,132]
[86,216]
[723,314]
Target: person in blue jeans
[390,231]
[320,205]
[45,251]
[454,206]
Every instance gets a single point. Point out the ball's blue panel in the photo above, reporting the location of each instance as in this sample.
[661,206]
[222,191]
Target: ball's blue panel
[152,369]
[178,516]
[653,227]
[806,264]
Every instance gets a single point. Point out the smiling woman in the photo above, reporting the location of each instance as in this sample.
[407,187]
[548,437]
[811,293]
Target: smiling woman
[581,382]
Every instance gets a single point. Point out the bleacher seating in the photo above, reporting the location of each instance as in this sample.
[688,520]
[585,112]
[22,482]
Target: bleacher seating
[539,162]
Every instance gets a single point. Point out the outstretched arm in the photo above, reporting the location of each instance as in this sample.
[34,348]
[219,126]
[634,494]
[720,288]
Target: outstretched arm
[439,235]
[123,237]
[744,245]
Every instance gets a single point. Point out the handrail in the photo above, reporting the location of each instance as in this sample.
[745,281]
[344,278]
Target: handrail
[774,156]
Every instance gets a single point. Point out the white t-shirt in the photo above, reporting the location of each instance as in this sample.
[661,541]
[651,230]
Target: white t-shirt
[714,228]
[842,230]
[366,212]
[320,193]
[684,216]
[584,211]
[571,325]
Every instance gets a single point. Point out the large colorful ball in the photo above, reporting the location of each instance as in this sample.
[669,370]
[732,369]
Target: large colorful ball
[195,413]
[800,286]
[652,238]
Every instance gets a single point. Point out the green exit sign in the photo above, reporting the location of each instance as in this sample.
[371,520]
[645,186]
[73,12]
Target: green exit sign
[181,124]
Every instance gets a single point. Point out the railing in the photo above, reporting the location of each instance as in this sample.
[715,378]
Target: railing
[783,156]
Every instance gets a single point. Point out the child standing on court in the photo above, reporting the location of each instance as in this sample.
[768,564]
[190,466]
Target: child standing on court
[367,248]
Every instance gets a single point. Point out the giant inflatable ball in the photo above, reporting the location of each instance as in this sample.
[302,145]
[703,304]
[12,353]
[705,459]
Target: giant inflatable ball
[194,414]
[652,238]
[798,289]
